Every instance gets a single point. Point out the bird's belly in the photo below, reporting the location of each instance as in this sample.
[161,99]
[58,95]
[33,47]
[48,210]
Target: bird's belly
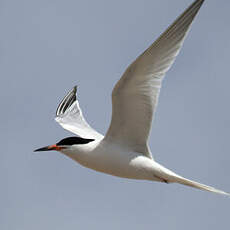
[115,169]
[132,166]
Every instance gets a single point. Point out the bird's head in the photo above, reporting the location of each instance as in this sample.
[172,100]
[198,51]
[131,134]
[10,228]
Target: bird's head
[65,144]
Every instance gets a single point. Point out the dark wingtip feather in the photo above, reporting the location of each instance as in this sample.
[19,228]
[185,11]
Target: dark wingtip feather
[67,101]
[75,89]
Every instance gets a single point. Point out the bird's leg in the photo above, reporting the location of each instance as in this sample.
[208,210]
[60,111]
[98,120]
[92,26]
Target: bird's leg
[161,179]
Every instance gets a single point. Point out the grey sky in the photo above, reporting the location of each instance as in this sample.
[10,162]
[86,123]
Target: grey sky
[48,46]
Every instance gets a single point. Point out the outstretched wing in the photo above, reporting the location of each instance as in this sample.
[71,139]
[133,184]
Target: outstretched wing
[135,96]
[69,116]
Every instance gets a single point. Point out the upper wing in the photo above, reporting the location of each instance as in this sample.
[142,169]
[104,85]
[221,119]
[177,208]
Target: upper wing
[135,96]
[69,116]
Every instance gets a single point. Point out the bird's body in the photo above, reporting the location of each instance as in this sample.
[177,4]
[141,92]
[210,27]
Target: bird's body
[112,159]
[124,150]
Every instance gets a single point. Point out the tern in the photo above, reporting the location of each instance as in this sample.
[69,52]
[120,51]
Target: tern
[124,150]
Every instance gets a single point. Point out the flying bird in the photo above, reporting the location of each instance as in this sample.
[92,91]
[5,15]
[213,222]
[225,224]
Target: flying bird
[124,150]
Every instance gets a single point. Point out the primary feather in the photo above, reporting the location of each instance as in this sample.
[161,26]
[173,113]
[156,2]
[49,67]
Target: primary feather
[70,117]
[135,96]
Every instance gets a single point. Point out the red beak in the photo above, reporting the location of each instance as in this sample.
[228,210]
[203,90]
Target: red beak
[49,148]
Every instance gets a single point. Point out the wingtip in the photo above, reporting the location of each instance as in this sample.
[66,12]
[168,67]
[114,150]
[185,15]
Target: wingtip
[67,101]
[198,2]
[75,89]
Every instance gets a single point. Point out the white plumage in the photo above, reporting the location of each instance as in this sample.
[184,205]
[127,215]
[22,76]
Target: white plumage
[124,151]
[69,116]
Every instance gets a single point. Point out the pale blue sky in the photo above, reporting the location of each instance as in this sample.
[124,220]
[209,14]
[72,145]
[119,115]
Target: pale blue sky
[48,46]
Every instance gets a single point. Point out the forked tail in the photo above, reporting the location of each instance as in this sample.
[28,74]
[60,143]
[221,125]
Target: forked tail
[197,185]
